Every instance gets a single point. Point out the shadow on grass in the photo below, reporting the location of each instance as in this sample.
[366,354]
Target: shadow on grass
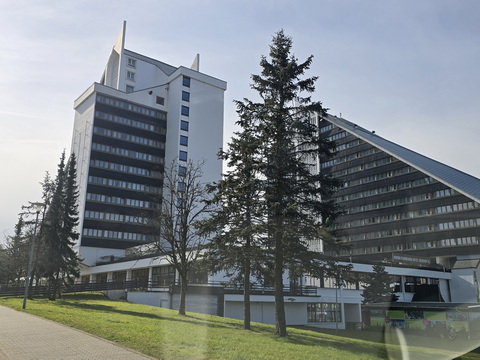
[190,319]
[415,343]
[317,340]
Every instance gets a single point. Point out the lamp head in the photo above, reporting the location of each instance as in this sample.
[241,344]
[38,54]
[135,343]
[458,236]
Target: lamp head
[38,206]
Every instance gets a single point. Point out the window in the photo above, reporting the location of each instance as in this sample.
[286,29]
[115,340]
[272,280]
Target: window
[182,155]
[130,89]
[181,186]
[186,81]
[184,125]
[182,171]
[323,312]
[183,140]
[185,110]
[197,275]
[140,277]
[160,100]
[132,107]
[163,275]
[130,75]
[185,96]
[132,62]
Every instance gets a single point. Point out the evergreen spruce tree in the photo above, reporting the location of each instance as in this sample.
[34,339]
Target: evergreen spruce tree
[59,262]
[69,270]
[291,195]
[377,287]
[238,219]
[48,189]
[4,271]
[16,252]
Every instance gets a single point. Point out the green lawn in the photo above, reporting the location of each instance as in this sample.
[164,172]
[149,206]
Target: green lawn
[163,334]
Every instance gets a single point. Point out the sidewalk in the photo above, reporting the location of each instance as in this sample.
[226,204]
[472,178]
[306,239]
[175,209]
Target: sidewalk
[28,337]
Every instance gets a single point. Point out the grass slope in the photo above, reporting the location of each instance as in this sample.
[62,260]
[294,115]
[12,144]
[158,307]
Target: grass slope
[163,334]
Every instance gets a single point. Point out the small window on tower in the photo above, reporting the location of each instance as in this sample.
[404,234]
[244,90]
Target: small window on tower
[160,100]
[182,171]
[186,81]
[130,75]
[130,89]
[132,62]
[183,140]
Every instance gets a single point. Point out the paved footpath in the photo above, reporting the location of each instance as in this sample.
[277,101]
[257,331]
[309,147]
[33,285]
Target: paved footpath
[28,337]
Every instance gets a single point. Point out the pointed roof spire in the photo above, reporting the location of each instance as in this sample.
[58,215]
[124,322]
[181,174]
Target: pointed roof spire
[120,43]
[196,63]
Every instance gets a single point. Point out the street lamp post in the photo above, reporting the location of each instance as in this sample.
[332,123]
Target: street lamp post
[38,208]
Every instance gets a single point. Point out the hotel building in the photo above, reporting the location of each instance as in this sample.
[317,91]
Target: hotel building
[141,116]
[397,202]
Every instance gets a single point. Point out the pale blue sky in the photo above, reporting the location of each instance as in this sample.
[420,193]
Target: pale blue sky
[406,69]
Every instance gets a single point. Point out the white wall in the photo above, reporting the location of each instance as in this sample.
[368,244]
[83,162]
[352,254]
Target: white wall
[91,255]
[462,287]
[260,311]
[158,299]
[205,135]
[198,303]
[81,145]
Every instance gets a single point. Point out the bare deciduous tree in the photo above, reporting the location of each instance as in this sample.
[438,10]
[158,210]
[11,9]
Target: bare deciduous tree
[174,225]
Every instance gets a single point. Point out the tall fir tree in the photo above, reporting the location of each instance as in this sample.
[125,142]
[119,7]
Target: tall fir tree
[48,189]
[377,288]
[238,219]
[59,262]
[288,191]
[5,277]
[16,252]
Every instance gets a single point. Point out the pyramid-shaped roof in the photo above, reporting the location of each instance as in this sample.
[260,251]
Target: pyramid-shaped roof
[464,183]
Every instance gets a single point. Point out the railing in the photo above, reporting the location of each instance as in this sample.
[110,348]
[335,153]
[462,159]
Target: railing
[41,290]
[145,284]
[19,290]
[266,290]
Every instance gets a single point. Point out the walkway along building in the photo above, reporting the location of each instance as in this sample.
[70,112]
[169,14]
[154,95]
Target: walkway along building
[152,281]
[140,116]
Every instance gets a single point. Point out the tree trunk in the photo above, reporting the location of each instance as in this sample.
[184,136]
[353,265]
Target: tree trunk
[183,294]
[30,285]
[246,295]
[55,289]
[280,321]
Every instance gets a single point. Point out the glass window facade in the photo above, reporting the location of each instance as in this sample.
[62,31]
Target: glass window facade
[125,173]
[163,276]
[323,312]
[389,206]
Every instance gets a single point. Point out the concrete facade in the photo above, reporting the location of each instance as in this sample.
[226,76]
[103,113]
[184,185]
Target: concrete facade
[141,116]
